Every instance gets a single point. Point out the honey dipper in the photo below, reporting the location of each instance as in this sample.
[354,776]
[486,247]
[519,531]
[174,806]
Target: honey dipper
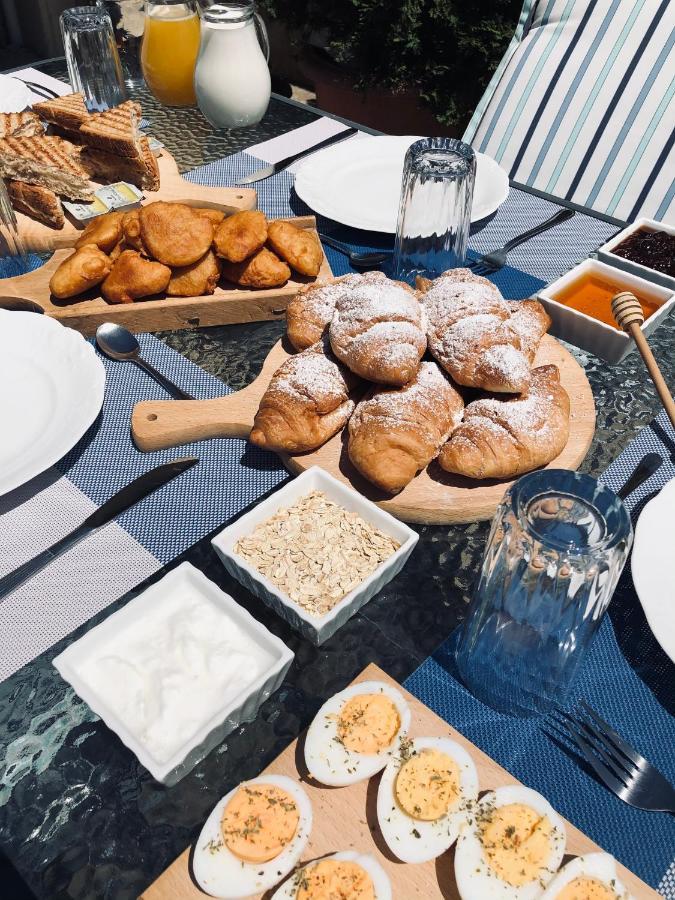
[628,314]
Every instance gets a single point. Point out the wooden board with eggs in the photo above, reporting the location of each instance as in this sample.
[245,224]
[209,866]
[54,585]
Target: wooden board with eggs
[423,828]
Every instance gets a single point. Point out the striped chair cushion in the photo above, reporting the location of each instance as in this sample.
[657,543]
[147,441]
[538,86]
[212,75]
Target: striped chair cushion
[583,105]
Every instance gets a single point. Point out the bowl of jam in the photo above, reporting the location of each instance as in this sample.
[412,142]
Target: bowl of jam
[645,248]
[579,305]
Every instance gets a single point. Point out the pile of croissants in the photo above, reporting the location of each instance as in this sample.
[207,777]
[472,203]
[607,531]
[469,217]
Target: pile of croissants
[474,403]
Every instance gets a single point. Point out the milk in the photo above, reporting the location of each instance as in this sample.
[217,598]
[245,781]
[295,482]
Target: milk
[232,80]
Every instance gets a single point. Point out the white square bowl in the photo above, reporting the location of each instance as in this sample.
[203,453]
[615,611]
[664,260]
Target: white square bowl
[223,719]
[317,629]
[588,333]
[606,253]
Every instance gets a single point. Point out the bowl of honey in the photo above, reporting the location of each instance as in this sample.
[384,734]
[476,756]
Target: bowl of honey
[645,248]
[579,305]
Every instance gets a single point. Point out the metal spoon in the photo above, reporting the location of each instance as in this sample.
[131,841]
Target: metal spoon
[119,343]
[647,466]
[358,259]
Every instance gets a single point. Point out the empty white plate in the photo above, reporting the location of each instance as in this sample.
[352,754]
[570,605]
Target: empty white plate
[51,390]
[652,566]
[358,182]
[14,95]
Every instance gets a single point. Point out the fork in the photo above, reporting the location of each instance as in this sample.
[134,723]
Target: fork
[618,765]
[496,259]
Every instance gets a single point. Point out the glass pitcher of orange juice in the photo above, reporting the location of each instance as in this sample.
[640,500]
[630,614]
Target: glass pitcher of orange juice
[169,50]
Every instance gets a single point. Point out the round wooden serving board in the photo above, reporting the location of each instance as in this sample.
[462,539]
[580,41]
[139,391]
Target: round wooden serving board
[434,497]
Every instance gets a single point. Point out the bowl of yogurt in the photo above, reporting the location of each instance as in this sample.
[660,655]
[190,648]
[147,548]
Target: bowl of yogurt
[176,670]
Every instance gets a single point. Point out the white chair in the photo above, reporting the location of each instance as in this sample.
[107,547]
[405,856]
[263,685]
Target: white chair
[582,105]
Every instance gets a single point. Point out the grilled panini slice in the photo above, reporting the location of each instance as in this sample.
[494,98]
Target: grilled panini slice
[142,171]
[115,130]
[37,202]
[22,124]
[67,112]
[47,161]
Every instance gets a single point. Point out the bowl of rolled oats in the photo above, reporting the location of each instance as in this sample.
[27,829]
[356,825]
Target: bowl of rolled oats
[315,551]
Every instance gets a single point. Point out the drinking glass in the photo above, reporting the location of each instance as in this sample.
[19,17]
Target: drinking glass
[13,258]
[91,53]
[434,214]
[558,544]
[169,51]
[128,19]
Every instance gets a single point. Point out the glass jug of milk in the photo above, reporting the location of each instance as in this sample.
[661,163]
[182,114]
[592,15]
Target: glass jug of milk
[232,80]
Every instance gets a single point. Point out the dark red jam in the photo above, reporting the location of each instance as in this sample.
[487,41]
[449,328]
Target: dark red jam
[654,249]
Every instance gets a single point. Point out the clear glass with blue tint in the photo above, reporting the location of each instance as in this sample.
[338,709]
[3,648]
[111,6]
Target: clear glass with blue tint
[13,258]
[94,66]
[558,544]
[434,214]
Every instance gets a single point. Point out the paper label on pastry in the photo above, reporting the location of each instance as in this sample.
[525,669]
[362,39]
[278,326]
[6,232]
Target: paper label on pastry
[120,195]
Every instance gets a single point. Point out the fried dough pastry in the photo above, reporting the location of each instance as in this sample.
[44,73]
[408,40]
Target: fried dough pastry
[240,235]
[132,277]
[300,248]
[175,234]
[215,216]
[84,269]
[196,280]
[105,232]
[263,270]
[503,437]
[131,232]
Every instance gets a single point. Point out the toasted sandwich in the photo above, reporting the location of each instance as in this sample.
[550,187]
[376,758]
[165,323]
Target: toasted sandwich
[47,161]
[67,112]
[115,131]
[37,202]
[142,171]
[22,124]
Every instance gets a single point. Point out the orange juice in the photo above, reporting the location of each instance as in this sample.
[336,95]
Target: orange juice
[169,52]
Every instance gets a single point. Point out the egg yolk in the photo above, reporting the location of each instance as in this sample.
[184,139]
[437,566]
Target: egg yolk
[585,888]
[368,723]
[427,785]
[334,879]
[258,822]
[517,842]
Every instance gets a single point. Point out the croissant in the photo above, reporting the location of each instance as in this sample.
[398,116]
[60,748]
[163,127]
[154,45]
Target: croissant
[306,403]
[310,311]
[474,335]
[377,331]
[505,437]
[396,432]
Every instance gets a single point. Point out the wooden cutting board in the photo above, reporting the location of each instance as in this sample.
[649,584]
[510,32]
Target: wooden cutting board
[345,819]
[433,497]
[224,307]
[41,238]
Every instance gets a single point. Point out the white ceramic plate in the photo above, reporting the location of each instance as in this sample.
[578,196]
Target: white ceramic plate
[14,95]
[358,182]
[652,566]
[51,390]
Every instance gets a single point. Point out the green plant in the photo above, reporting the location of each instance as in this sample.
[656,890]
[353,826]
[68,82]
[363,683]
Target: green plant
[444,49]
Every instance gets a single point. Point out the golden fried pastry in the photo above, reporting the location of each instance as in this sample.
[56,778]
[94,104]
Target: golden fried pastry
[196,280]
[215,216]
[502,437]
[175,234]
[131,232]
[263,270]
[118,249]
[132,277]
[104,232]
[240,235]
[300,248]
[86,268]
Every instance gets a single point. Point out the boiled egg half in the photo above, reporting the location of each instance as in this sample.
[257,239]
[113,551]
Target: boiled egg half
[355,876]
[589,877]
[253,838]
[355,733]
[510,848]
[426,792]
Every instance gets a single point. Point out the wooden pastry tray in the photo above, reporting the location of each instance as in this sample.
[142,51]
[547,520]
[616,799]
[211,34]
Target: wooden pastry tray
[345,819]
[433,497]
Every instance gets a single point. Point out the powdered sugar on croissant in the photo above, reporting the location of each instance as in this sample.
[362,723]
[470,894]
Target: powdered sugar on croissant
[377,330]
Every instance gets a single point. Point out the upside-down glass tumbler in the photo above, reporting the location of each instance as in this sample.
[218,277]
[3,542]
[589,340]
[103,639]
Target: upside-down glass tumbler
[558,544]
[434,214]
[94,66]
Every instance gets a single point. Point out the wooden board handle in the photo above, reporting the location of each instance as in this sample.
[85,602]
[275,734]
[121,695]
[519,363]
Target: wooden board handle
[160,424]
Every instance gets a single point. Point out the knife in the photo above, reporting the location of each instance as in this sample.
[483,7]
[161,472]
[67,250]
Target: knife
[273,168]
[136,490]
